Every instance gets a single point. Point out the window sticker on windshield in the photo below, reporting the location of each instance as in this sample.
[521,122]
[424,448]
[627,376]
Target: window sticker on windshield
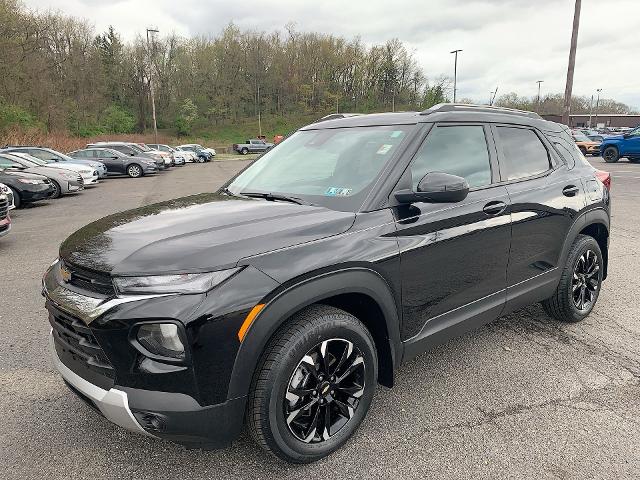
[338,192]
[396,133]
[384,149]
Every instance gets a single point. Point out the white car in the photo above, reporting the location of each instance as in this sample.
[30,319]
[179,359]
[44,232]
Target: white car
[89,176]
[7,191]
[189,156]
[179,157]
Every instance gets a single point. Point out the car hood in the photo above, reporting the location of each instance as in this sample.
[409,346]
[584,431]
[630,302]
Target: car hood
[20,174]
[49,171]
[613,137]
[76,167]
[202,232]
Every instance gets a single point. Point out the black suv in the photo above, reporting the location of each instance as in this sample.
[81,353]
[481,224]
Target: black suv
[350,247]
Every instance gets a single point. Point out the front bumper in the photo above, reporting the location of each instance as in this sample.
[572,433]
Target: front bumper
[5,226]
[112,403]
[75,186]
[37,192]
[147,168]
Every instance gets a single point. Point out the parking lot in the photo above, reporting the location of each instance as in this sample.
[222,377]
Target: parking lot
[524,397]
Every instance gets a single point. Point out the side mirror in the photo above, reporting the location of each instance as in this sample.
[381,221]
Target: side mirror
[436,187]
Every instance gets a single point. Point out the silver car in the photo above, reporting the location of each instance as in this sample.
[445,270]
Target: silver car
[9,193]
[63,181]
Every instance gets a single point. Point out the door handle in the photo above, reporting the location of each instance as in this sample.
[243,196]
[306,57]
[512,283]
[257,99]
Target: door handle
[570,191]
[494,208]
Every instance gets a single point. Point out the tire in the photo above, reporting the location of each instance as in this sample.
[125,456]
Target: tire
[562,304]
[244,151]
[134,170]
[17,201]
[611,155]
[57,191]
[635,160]
[272,416]
[201,159]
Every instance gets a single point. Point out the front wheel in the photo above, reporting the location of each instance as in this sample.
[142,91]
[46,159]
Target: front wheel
[313,386]
[244,151]
[17,201]
[610,155]
[134,171]
[57,191]
[580,282]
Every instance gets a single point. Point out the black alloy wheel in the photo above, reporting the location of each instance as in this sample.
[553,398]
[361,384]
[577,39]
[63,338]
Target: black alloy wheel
[585,281]
[244,151]
[610,155]
[580,282]
[324,390]
[313,385]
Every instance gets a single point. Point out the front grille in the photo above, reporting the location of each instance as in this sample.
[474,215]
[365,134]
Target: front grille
[89,280]
[78,348]
[4,208]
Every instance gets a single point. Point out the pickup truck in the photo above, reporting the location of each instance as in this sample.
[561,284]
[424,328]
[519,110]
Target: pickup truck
[252,146]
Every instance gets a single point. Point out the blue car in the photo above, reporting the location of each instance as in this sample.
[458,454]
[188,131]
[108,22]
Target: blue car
[48,155]
[618,146]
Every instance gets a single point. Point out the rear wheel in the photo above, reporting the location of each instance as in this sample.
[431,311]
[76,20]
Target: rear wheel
[134,170]
[580,282]
[611,155]
[244,151]
[313,386]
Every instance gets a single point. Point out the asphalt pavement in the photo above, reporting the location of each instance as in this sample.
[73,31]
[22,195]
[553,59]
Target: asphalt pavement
[524,397]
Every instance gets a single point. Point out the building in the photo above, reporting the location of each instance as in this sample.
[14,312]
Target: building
[603,120]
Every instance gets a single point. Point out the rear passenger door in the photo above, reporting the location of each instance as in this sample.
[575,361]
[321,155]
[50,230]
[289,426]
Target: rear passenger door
[114,165]
[453,256]
[546,197]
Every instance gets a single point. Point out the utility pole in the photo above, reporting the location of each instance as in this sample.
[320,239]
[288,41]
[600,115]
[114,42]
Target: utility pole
[151,91]
[590,109]
[259,119]
[597,104]
[495,92]
[455,73]
[539,82]
[566,109]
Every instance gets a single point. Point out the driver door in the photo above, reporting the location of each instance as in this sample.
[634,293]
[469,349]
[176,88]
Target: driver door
[453,256]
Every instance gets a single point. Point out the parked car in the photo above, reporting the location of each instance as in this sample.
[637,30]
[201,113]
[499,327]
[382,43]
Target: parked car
[199,150]
[7,191]
[254,145]
[63,181]
[592,135]
[586,145]
[131,149]
[119,163]
[212,151]
[166,156]
[189,155]
[5,219]
[285,297]
[626,145]
[179,157]
[60,160]
[26,187]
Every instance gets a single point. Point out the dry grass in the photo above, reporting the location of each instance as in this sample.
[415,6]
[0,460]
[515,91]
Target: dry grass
[62,142]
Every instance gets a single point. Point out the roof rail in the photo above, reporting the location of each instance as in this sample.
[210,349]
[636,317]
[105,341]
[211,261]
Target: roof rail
[465,107]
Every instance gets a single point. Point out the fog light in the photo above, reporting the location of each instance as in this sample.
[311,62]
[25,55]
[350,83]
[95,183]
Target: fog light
[161,339]
[150,421]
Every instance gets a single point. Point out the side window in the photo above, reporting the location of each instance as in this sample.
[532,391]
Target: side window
[7,163]
[458,150]
[524,153]
[41,154]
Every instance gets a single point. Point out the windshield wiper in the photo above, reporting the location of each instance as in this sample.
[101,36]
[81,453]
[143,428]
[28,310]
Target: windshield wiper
[274,196]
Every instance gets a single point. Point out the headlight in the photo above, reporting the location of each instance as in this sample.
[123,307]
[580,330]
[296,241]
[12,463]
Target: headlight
[161,339]
[182,283]
[30,181]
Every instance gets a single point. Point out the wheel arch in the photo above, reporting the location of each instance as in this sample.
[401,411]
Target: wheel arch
[361,292]
[594,223]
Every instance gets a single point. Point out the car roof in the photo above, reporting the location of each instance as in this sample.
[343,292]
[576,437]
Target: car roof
[444,112]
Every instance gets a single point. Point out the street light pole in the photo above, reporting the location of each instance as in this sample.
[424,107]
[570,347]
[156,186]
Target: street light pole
[590,109]
[539,82]
[566,109]
[455,73]
[259,117]
[151,91]
[597,104]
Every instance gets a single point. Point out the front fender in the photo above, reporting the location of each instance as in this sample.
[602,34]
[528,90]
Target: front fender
[286,301]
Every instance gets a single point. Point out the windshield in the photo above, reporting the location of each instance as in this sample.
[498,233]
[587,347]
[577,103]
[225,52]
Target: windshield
[26,159]
[143,147]
[331,167]
[581,137]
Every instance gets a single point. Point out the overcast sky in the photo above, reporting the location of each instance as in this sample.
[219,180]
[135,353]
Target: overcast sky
[509,43]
